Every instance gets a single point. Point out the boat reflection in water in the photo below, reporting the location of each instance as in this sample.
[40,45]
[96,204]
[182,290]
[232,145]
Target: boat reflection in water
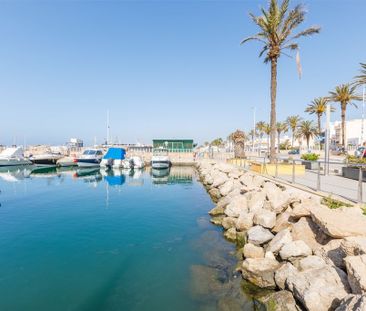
[89,175]
[114,177]
[14,173]
[173,175]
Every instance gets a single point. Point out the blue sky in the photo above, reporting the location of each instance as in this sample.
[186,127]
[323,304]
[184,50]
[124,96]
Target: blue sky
[162,68]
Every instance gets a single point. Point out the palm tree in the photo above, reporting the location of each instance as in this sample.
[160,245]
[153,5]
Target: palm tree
[217,142]
[281,127]
[238,138]
[361,79]
[307,130]
[293,123]
[344,94]
[260,128]
[267,131]
[318,106]
[277,26]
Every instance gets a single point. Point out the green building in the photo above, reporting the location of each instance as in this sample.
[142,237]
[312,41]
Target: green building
[174,145]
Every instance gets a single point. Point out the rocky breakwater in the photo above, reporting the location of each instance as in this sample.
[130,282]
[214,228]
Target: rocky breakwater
[313,257]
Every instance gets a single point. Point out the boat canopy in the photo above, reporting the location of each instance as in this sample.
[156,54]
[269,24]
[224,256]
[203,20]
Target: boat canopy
[115,153]
[12,152]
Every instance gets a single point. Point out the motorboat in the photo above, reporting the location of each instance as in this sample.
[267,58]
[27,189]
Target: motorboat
[46,159]
[13,157]
[127,164]
[160,159]
[66,161]
[113,158]
[90,158]
[137,162]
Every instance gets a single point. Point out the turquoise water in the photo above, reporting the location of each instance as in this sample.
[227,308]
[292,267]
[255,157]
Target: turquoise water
[117,241]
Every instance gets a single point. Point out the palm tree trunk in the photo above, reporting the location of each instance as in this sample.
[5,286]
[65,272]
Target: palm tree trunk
[278,142]
[308,142]
[343,116]
[267,143]
[293,138]
[273,108]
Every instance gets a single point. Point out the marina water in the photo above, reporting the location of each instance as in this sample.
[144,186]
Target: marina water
[112,241]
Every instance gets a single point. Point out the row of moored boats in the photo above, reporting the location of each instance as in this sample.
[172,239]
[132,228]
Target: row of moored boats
[113,158]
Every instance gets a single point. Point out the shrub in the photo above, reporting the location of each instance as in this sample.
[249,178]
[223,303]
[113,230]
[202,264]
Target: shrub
[355,160]
[310,157]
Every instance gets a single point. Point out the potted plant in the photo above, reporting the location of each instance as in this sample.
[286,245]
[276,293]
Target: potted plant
[310,161]
[352,171]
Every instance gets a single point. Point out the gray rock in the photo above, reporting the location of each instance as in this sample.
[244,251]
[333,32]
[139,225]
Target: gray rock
[229,222]
[216,211]
[237,206]
[245,221]
[256,201]
[295,249]
[311,262]
[340,223]
[281,238]
[279,301]
[260,271]
[230,234]
[319,289]
[264,218]
[258,235]
[353,303]
[246,179]
[219,178]
[258,181]
[356,271]
[215,194]
[283,221]
[283,273]
[269,255]
[353,246]
[332,253]
[253,251]
[227,187]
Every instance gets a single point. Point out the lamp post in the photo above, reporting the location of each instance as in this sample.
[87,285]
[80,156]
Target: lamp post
[253,129]
[363,115]
[327,134]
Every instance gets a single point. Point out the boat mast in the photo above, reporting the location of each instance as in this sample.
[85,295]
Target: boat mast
[107,126]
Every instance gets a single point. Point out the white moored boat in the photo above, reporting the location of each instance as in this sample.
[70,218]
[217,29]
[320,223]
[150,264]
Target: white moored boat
[137,162]
[90,157]
[13,156]
[160,159]
[46,159]
[113,158]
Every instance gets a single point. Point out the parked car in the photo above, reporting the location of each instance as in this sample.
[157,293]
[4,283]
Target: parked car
[359,151]
[294,151]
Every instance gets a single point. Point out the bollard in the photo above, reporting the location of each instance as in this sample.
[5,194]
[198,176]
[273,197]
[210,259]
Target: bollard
[359,194]
[293,171]
[318,178]
[276,172]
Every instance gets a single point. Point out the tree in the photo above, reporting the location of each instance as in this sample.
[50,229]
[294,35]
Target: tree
[361,79]
[307,130]
[238,138]
[281,127]
[318,106]
[267,131]
[217,142]
[253,133]
[344,94]
[260,130]
[277,26]
[293,123]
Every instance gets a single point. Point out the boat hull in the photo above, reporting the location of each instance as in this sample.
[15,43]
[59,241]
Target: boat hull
[160,165]
[44,162]
[88,162]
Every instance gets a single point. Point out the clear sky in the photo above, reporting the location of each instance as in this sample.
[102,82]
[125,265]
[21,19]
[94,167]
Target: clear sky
[163,68]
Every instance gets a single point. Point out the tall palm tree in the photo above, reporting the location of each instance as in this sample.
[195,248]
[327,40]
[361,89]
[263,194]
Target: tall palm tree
[318,106]
[281,127]
[361,79]
[277,26]
[307,130]
[293,123]
[344,94]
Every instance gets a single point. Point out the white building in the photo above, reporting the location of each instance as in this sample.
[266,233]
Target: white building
[353,132]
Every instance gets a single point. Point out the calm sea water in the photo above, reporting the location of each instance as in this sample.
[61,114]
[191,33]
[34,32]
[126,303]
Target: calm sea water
[116,241]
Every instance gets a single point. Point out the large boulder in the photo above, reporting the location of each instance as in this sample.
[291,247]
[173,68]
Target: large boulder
[244,221]
[356,271]
[294,250]
[264,218]
[258,181]
[227,187]
[305,229]
[230,234]
[215,194]
[283,273]
[246,179]
[258,235]
[319,289]
[256,201]
[224,167]
[340,223]
[281,238]
[353,303]
[279,301]
[354,245]
[253,251]
[237,206]
[332,253]
[283,221]
[260,271]
[219,178]
[216,211]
